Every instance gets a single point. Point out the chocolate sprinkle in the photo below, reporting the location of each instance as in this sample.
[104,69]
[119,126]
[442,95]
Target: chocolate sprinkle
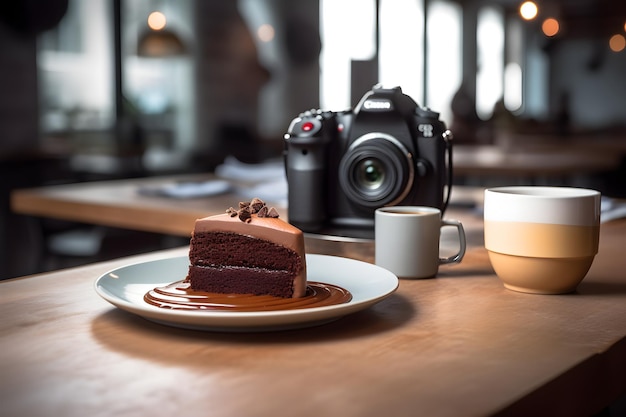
[273,213]
[263,211]
[256,204]
[245,215]
[248,208]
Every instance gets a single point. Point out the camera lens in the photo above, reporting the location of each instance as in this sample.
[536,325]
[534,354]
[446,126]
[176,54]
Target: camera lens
[370,173]
[377,170]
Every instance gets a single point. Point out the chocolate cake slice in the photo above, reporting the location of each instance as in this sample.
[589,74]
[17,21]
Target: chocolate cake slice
[248,251]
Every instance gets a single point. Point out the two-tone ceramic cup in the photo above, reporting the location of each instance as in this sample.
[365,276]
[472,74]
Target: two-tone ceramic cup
[541,239]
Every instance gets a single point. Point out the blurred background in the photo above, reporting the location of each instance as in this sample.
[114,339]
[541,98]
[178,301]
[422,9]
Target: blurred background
[107,89]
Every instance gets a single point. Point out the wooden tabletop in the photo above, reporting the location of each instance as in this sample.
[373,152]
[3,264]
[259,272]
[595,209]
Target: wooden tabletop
[459,344]
[119,203]
[534,162]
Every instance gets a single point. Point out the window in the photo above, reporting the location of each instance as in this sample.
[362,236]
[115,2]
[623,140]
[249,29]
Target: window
[348,31]
[402,46]
[443,56]
[490,51]
[77,77]
[401,50]
[75,71]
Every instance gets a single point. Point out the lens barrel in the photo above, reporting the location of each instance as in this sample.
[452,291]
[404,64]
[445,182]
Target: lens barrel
[376,170]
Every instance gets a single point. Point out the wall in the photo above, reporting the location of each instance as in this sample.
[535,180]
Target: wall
[595,80]
[18,83]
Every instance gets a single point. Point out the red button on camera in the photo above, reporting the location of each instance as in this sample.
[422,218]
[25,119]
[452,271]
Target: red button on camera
[307,126]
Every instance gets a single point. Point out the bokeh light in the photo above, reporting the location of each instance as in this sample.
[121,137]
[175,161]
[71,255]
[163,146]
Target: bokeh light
[265,32]
[617,43]
[528,10]
[550,26]
[156,21]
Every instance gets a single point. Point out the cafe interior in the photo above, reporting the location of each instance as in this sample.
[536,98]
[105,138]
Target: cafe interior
[165,92]
[94,92]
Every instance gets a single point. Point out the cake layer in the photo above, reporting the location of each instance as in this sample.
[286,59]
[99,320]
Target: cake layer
[240,280]
[231,249]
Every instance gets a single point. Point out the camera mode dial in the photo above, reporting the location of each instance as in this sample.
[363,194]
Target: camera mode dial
[308,124]
[426,113]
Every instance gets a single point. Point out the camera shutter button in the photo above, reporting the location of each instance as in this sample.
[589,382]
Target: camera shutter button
[307,126]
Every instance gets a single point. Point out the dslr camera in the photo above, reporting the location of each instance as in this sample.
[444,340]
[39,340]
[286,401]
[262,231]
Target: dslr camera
[342,166]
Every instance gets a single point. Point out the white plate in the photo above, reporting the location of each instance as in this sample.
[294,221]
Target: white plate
[125,287]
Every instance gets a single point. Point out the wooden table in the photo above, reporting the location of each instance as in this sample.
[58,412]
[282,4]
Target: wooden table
[459,344]
[119,204]
[534,162]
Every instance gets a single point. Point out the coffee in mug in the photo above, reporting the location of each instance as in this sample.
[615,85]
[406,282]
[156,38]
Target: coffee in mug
[407,240]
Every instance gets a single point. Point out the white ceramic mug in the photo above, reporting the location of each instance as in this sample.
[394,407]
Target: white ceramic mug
[407,240]
[541,239]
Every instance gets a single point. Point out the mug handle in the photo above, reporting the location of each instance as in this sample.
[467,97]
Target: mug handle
[456,258]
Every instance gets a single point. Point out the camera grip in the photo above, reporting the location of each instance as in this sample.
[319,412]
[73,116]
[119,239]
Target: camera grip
[307,198]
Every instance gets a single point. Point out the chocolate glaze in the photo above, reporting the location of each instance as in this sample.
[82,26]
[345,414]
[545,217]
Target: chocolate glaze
[178,296]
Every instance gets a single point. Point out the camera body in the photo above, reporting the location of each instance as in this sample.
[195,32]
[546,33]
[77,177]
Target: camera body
[342,166]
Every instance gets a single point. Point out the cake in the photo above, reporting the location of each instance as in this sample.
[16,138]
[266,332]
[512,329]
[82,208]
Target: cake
[247,251]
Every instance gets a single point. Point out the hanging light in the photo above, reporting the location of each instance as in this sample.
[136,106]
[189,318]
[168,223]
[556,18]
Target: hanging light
[157,41]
